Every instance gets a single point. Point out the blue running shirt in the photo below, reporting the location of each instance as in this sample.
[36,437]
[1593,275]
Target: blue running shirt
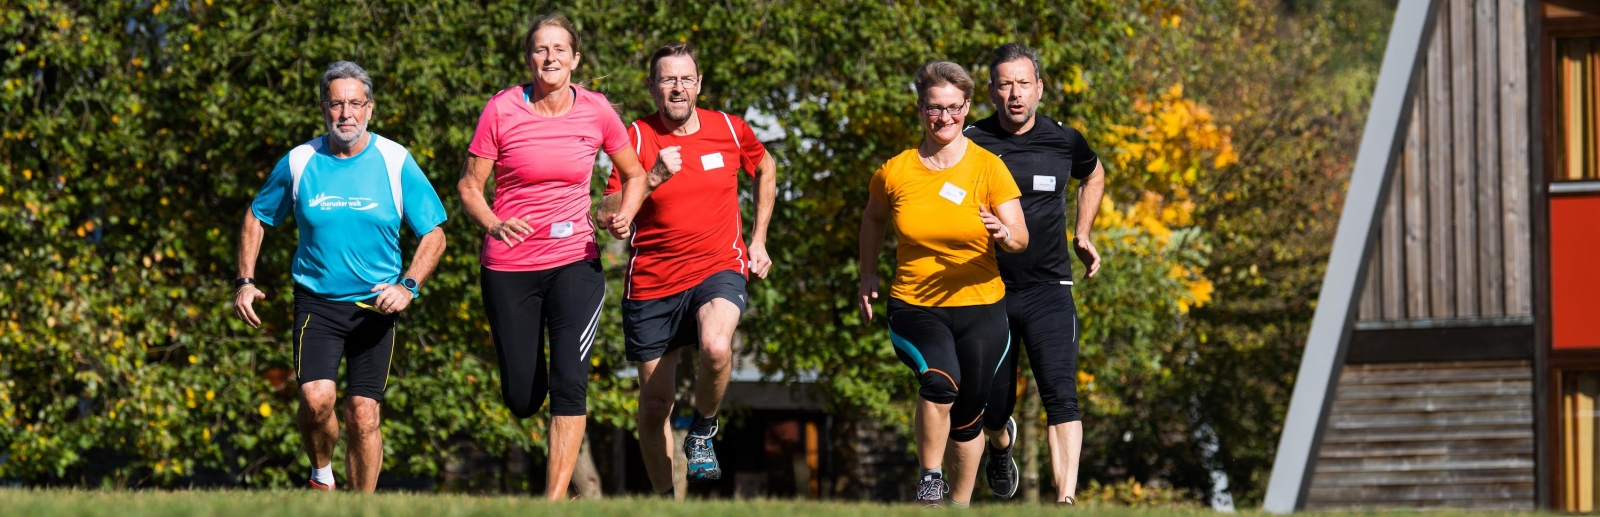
[345,211]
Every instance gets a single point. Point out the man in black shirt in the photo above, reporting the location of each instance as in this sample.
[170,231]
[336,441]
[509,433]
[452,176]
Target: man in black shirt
[1042,154]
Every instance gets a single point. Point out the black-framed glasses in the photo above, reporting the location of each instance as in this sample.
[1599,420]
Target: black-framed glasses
[939,111]
[674,82]
[339,105]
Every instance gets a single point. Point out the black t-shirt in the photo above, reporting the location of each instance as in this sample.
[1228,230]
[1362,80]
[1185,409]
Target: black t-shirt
[1040,160]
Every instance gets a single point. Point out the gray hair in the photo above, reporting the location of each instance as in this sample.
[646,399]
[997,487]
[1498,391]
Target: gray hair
[1011,52]
[345,70]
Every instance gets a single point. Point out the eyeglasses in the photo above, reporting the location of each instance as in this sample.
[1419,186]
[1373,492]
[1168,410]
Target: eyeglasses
[674,82]
[339,105]
[939,111]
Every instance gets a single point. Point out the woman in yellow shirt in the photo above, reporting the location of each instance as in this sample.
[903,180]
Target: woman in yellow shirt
[952,204]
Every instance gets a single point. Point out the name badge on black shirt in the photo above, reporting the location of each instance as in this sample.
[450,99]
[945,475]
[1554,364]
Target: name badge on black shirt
[1044,183]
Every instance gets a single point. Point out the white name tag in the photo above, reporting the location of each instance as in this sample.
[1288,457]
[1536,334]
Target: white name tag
[1044,183]
[561,230]
[711,161]
[952,193]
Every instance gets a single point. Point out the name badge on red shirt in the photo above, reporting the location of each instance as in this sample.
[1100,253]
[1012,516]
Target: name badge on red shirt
[711,161]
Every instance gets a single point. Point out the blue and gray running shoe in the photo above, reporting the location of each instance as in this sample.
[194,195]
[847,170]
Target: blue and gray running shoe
[702,458]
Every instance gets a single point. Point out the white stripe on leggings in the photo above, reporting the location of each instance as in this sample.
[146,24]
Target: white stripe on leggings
[594,324]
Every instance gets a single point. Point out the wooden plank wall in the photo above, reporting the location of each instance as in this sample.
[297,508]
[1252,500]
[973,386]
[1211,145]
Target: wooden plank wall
[1454,242]
[1428,435]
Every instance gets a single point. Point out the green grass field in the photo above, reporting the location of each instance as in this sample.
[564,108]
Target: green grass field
[52,503]
[283,503]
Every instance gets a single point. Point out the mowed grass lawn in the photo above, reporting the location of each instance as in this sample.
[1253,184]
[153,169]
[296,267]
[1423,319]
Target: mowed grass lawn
[52,503]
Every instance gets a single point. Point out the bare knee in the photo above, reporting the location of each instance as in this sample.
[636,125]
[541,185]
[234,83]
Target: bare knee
[317,398]
[362,414]
[717,353]
[654,409]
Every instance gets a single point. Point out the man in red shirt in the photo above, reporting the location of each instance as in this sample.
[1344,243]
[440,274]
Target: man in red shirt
[686,280]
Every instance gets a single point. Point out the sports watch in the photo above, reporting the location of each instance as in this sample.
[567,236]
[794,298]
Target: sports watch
[411,285]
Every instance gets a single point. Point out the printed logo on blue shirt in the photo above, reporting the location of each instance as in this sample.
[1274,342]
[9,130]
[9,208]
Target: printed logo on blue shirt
[327,202]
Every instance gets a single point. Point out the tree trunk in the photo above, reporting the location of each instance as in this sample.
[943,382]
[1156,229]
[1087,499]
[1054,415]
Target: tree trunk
[1030,432]
[585,477]
[680,464]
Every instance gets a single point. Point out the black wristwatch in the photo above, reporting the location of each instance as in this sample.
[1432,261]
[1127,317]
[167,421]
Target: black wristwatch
[411,285]
[243,281]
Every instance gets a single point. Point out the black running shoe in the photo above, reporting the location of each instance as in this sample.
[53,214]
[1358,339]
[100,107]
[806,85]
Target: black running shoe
[931,490]
[1002,469]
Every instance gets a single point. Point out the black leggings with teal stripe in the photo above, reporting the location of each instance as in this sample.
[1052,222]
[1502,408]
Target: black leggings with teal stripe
[955,352]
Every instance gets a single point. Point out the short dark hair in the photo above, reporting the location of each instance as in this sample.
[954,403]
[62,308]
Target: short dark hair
[345,70]
[1011,52]
[550,20]
[670,50]
[940,73]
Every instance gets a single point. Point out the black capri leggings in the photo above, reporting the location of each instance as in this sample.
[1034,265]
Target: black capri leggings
[1046,320]
[522,305]
[955,352]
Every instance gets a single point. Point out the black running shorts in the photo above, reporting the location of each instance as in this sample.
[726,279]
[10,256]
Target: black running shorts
[955,352]
[655,327]
[326,331]
[1045,319]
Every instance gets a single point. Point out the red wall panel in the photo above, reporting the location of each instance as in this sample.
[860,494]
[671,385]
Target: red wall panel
[1575,271]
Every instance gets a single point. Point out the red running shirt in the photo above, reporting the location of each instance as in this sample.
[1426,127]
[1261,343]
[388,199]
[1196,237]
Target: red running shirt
[689,228]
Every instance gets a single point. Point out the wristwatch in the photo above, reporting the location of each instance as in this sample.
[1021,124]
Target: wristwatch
[243,281]
[411,285]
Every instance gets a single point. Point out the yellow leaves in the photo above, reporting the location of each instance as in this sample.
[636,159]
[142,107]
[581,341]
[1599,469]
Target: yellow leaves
[188,393]
[1175,142]
[193,359]
[206,434]
[21,48]
[265,410]
[1085,377]
[1128,30]
[27,174]
[137,62]
[84,38]
[1076,84]
[210,395]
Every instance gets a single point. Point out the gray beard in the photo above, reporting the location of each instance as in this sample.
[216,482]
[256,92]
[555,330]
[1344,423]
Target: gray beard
[1026,116]
[333,134]
[667,112]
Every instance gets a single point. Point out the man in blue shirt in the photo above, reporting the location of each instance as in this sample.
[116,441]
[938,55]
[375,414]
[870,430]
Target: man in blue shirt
[348,192]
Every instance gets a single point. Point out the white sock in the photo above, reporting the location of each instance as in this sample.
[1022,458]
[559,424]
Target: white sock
[323,475]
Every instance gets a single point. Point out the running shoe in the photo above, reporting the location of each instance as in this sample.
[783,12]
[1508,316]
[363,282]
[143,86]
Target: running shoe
[1002,471]
[702,458]
[931,490]
[319,486]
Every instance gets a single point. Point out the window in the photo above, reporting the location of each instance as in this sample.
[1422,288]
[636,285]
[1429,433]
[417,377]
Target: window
[1580,442]
[1577,89]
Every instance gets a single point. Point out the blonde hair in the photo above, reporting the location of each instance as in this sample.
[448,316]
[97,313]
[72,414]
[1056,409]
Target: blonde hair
[940,73]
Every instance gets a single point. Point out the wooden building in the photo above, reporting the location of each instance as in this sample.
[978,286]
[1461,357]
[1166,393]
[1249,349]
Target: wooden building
[1454,359]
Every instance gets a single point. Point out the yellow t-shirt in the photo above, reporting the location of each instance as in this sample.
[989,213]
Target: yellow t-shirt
[945,255]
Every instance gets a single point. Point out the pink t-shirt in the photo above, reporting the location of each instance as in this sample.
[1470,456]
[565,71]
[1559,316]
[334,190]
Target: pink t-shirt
[542,169]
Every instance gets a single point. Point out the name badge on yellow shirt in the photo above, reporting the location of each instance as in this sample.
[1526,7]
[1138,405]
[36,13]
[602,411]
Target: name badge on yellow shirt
[952,193]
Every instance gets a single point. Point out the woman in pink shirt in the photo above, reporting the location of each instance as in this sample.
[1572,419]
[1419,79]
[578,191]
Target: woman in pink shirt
[540,265]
